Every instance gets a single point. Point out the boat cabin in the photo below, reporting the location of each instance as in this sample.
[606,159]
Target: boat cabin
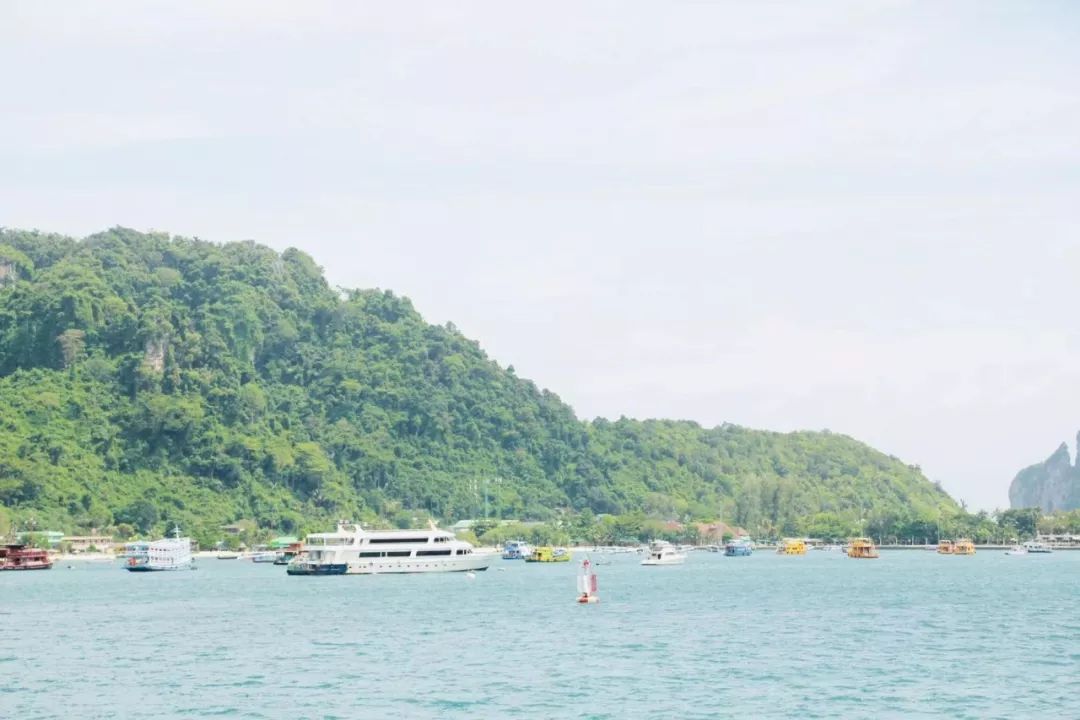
[16,556]
[792,546]
[546,553]
[963,546]
[862,548]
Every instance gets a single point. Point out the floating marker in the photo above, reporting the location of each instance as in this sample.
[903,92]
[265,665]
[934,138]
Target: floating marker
[586,584]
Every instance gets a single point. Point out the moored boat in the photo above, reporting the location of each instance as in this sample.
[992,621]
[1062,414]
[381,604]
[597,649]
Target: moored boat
[741,547]
[946,547]
[160,555]
[791,546]
[661,552]
[963,546]
[286,556]
[862,548]
[351,550]
[516,550]
[17,556]
[549,554]
[1037,548]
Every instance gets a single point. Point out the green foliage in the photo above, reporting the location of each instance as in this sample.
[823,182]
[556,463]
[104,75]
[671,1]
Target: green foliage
[149,380]
[141,514]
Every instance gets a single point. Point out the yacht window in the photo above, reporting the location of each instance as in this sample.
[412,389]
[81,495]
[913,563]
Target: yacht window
[399,553]
[423,553]
[384,541]
[370,554]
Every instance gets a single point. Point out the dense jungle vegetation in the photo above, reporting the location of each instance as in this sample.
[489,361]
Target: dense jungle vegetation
[148,379]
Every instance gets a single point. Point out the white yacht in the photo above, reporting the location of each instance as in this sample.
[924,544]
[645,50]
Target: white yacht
[1034,546]
[351,550]
[661,552]
[166,554]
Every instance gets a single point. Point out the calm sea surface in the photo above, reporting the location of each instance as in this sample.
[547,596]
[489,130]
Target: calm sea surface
[910,635]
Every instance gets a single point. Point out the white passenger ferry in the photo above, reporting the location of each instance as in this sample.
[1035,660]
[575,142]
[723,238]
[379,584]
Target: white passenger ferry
[166,554]
[355,551]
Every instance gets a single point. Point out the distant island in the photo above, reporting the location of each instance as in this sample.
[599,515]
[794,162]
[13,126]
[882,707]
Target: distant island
[1052,485]
[149,380]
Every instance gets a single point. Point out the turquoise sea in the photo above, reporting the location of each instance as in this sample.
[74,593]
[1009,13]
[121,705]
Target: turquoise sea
[911,635]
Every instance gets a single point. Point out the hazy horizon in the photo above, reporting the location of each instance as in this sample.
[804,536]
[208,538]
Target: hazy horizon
[785,217]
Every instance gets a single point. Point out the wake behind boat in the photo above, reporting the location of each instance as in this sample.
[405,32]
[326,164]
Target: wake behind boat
[351,550]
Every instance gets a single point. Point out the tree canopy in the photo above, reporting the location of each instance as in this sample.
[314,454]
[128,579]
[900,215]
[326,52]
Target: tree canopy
[148,379]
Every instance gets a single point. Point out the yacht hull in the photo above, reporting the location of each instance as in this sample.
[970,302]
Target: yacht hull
[464,563]
[320,569]
[146,568]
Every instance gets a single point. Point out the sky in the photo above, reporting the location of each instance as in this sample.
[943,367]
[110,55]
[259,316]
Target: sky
[859,216]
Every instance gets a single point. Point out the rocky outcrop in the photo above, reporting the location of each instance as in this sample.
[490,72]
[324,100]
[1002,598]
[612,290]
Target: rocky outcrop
[1052,486]
[154,354]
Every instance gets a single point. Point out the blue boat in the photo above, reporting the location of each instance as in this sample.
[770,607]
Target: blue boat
[738,548]
[516,550]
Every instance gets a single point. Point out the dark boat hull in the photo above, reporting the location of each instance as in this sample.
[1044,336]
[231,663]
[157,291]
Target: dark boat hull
[329,569]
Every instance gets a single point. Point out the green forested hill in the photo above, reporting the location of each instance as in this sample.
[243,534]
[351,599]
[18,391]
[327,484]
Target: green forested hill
[147,379]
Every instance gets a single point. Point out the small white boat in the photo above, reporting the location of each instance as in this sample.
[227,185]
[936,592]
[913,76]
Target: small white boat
[1036,547]
[661,552]
[516,550]
[831,548]
[1017,550]
[267,556]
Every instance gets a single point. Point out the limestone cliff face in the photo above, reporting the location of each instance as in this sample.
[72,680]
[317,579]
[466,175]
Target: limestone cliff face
[1052,485]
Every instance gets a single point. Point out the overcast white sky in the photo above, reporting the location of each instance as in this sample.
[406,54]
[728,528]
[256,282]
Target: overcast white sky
[859,216]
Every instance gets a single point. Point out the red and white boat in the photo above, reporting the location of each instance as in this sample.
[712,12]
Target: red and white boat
[17,556]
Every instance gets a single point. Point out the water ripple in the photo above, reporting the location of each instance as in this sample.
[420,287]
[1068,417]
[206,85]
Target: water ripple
[913,635]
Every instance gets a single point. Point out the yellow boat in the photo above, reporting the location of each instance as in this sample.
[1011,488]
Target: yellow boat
[546,554]
[791,546]
[963,547]
[945,547]
[862,548]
